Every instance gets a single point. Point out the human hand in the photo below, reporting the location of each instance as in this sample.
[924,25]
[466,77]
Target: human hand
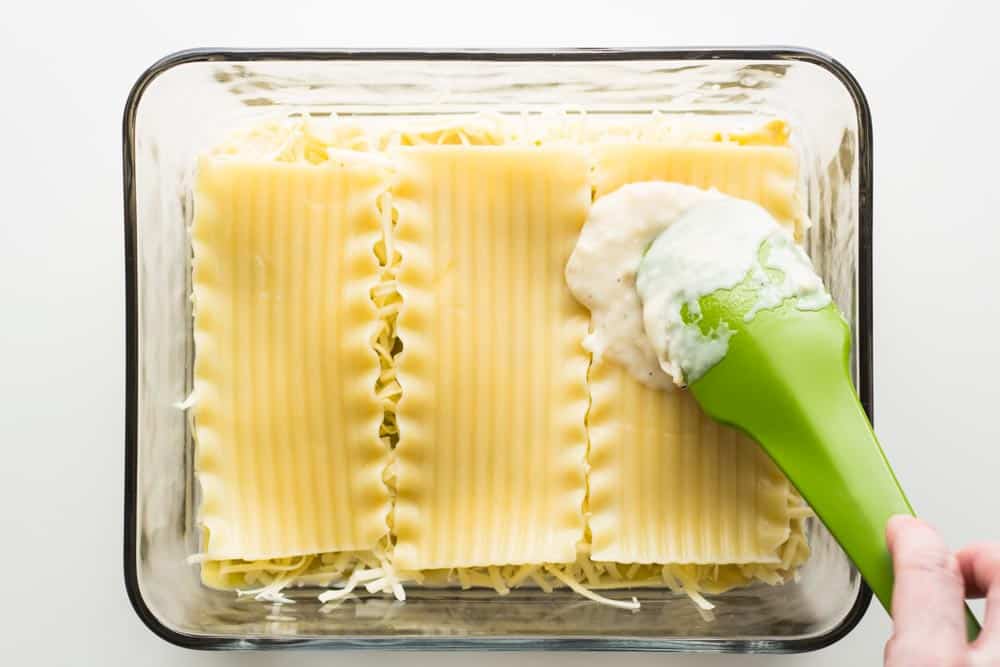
[927,610]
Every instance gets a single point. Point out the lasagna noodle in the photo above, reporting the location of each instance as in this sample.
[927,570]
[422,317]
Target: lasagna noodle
[491,456]
[670,485]
[667,484]
[765,174]
[288,454]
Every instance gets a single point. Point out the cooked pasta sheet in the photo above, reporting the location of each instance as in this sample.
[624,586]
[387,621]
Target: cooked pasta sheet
[667,484]
[288,454]
[766,174]
[491,455]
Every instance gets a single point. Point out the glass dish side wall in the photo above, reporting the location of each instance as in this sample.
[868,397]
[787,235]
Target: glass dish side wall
[199,95]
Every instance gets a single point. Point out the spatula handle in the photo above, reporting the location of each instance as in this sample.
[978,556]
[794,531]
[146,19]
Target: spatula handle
[785,381]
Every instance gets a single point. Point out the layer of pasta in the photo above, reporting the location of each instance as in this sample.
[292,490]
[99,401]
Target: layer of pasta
[491,455]
[390,385]
[766,174]
[288,452]
[668,484]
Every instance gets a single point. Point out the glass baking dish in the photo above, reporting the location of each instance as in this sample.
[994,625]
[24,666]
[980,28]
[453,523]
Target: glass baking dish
[186,101]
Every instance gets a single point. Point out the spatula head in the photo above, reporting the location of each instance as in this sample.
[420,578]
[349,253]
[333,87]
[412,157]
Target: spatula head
[707,276]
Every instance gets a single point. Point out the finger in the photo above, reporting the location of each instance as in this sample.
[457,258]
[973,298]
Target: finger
[927,608]
[980,565]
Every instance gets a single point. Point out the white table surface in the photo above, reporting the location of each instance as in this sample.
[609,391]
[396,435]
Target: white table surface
[931,78]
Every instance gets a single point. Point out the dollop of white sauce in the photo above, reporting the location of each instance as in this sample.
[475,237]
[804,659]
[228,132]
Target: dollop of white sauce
[601,271]
[717,245]
[713,244]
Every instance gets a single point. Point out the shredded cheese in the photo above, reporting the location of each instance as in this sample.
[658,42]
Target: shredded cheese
[574,585]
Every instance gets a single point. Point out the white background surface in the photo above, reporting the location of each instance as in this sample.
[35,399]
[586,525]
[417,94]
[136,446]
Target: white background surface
[65,69]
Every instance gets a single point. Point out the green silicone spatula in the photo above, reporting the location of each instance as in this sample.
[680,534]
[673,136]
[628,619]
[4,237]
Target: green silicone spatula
[785,381]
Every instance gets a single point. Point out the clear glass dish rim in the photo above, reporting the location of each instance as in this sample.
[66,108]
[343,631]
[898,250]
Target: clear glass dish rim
[864,339]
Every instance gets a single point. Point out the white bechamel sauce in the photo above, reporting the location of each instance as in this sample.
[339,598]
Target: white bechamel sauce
[717,245]
[713,243]
[601,272]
